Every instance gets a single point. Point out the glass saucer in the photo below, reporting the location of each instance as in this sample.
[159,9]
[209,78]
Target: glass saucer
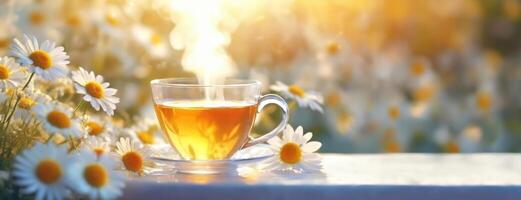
[168,161]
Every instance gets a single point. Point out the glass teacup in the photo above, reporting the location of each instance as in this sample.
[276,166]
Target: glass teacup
[211,122]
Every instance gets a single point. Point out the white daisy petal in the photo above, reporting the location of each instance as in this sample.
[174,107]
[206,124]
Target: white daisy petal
[51,115]
[103,100]
[303,98]
[312,156]
[45,184]
[284,151]
[110,91]
[288,132]
[125,146]
[275,141]
[311,146]
[22,51]
[297,136]
[77,173]
[307,137]
[11,74]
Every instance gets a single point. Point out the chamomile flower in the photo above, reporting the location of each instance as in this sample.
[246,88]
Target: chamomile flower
[95,90]
[45,59]
[133,157]
[110,21]
[94,176]
[146,132]
[11,75]
[419,68]
[294,152]
[75,22]
[486,101]
[60,88]
[57,118]
[7,95]
[28,101]
[470,139]
[391,111]
[42,170]
[39,20]
[390,143]
[99,146]
[446,141]
[9,29]
[154,43]
[303,98]
[98,127]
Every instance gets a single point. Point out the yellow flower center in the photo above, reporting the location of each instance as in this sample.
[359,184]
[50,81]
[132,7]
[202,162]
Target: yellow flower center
[73,20]
[94,128]
[36,17]
[392,146]
[95,89]
[417,69]
[473,133]
[4,72]
[345,120]
[48,171]
[155,39]
[133,161]
[59,119]
[146,137]
[296,90]
[96,175]
[112,20]
[4,42]
[423,93]
[26,103]
[393,112]
[451,147]
[483,101]
[333,99]
[333,48]
[290,153]
[98,151]
[41,59]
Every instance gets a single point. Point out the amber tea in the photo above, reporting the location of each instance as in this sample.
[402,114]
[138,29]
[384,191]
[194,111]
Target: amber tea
[207,122]
[206,130]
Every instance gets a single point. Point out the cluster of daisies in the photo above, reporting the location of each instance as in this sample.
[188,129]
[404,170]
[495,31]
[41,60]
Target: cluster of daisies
[381,93]
[81,152]
[77,151]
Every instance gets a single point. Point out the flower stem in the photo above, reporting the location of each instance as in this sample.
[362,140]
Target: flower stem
[50,138]
[28,81]
[73,146]
[8,120]
[81,104]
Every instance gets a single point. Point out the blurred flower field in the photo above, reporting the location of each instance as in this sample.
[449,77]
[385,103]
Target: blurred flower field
[363,76]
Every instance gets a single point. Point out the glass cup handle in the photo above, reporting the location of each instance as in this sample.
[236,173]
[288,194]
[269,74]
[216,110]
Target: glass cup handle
[263,101]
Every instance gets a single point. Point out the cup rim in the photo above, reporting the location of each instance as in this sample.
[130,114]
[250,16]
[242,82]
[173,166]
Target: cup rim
[193,82]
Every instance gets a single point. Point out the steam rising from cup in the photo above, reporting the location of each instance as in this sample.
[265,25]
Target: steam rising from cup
[203,31]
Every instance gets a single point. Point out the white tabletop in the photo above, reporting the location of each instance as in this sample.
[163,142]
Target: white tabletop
[361,176]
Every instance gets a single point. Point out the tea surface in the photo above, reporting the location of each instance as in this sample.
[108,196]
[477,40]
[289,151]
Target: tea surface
[206,130]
